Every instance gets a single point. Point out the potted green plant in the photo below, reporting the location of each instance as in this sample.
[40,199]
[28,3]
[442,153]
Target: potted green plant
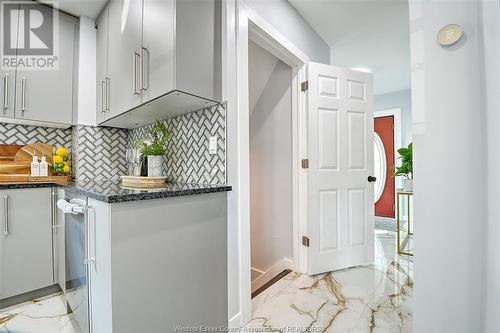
[406,168]
[153,146]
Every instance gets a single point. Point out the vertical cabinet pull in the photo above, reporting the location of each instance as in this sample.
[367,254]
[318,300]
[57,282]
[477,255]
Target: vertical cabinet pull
[90,242]
[23,94]
[6,91]
[144,68]
[103,96]
[108,92]
[6,214]
[137,67]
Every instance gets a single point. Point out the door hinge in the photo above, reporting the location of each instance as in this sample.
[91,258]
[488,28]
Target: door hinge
[305,163]
[305,241]
[304,86]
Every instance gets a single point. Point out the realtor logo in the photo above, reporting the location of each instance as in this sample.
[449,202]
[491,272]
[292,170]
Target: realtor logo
[29,36]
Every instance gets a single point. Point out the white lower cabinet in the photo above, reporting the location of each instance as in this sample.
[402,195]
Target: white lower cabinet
[163,261]
[25,241]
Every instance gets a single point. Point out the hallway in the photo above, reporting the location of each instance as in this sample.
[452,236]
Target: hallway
[373,298]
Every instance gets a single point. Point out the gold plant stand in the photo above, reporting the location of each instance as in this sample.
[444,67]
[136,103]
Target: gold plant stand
[406,240]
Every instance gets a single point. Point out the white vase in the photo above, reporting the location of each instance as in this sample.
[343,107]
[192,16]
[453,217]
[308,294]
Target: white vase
[155,166]
[408,185]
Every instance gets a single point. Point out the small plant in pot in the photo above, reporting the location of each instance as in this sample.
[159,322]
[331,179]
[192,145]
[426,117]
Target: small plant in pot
[153,147]
[406,168]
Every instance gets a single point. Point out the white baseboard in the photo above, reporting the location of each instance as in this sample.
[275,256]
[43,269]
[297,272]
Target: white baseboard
[235,321]
[274,270]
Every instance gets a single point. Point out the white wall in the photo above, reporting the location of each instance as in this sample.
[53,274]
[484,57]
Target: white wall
[491,43]
[398,99]
[86,110]
[285,18]
[449,168]
[270,158]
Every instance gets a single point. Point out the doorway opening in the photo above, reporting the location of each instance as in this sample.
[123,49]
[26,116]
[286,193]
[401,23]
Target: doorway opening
[383,162]
[270,144]
[387,141]
[342,139]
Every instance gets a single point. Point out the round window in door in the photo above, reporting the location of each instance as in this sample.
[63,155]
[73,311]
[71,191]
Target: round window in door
[380,167]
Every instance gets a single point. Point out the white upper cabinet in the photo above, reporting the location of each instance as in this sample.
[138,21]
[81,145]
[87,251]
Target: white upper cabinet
[41,95]
[162,59]
[125,37]
[158,48]
[47,95]
[102,74]
[8,81]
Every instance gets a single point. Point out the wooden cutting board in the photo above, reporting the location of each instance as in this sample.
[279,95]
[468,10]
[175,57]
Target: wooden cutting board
[8,152]
[26,152]
[15,167]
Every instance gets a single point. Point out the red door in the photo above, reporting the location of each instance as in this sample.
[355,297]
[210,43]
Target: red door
[384,127]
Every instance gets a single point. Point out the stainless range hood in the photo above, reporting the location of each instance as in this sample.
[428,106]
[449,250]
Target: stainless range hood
[171,104]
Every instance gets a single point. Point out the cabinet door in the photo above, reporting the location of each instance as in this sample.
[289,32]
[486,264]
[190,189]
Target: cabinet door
[26,256]
[125,36]
[8,77]
[100,303]
[158,43]
[47,95]
[103,81]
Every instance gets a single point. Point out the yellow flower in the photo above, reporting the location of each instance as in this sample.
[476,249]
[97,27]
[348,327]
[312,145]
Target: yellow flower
[61,151]
[66,169]
[58,159]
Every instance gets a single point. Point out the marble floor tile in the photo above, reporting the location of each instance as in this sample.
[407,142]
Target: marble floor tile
[368,299]
[41,315]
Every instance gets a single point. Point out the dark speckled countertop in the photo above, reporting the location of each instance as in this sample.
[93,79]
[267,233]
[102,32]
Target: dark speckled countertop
[113,192]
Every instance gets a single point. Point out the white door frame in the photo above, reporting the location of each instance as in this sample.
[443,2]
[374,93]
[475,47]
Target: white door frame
[252,26]
[398,139]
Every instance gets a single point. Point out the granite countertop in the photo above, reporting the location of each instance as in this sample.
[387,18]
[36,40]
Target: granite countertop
[112,191]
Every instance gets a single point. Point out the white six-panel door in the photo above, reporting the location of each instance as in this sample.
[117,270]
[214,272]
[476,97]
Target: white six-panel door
[340,152]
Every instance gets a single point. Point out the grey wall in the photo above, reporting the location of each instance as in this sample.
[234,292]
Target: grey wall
[398,99]
[490,12]
[450,180]
[270,158]
[291,24]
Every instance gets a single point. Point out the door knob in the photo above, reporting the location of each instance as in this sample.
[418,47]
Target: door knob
[372,179]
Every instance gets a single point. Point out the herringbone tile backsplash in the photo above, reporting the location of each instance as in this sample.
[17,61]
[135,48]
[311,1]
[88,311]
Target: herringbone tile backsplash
[22,135]
[188,159]
[99,152]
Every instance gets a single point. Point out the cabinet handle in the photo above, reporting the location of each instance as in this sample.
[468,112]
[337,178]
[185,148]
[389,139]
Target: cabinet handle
[90,249]
[103,96]
[6,214]
[144,68]
[108,92]
[137,57]
[23,94]
[6,91]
